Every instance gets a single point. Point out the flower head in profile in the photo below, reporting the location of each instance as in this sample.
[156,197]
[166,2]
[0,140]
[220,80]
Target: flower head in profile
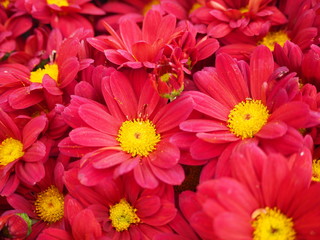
[269,197]
[131,134]
[243,101]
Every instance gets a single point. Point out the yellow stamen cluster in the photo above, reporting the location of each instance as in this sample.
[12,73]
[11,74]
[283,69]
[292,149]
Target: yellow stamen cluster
[271,224]
[10,150]
[271,38]
[50,69]
[247,118]
[49,205]
[59,3]
[316,170]
[138,137]
[149,5]
[122,215]
[5,3]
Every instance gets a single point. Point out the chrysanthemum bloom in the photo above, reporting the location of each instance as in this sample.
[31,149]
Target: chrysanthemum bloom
[44,201]
[300,29]
[25,88]
[10,29]
[135,47]
[124,209]
[269,198]
[247,101]
[82,223]
[134,135]
[21,153]
[250,17]
[63,14]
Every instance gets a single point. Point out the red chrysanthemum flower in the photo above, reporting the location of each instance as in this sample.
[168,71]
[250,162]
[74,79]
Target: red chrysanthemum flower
[63,14]
[269,198]
[242,102]
[131,134]
[21,153]
[24,88]
[124,209]
[44,201]
[135,47]
[82,223]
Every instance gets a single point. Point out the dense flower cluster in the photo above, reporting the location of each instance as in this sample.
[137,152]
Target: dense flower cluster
[160,119]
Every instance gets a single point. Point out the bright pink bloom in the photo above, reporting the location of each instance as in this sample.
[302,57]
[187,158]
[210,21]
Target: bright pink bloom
[82,223]
[235,95]
[124,209]
[269,195]
[21,153]
[65,15]
[107,138]
[135,47]
[43,202]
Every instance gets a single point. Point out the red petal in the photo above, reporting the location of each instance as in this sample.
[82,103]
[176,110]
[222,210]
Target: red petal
[147,205]
[106,159]
[166,155]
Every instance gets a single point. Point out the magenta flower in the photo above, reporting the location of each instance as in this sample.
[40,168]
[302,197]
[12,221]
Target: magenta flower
[21,153]
[133,135]
[269,197]
[242,102]
[124,209]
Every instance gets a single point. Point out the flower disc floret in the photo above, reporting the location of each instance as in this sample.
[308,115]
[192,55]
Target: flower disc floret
[59,3]
[49,205]
[247,118]
[272,38]
[50,69]
[138,137]
[10,150]
[271,224]
[316,170]
[122,215]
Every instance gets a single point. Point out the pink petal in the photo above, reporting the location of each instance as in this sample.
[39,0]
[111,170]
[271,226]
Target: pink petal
[30,172]
[218,137]
[90,176]
[172,114]
[68,71]
[124,94]
[207,105]
[106,159]
[126,166]
[166,213]
[202,125]
[33,129]
[99,119]
[69,148]
[130,33]
[91,138]
[20,203]
[144,177]
[261,68]
[35,153]
[273,129]
[235,227]
[51,85]
[147,205]
[166,155]
[22,98]
[173,176]
[204,150]
[85,226]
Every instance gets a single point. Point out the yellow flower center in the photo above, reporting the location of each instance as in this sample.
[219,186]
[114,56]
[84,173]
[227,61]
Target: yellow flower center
[10,150]
[122,215]
[50,69]
[5,3]
[271,224]
[194,7]
[316,170]
[59,3]
[166,77]
[50,205]
[149,5]
[138,137]
[271,38]
[244,9]
[247,118]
